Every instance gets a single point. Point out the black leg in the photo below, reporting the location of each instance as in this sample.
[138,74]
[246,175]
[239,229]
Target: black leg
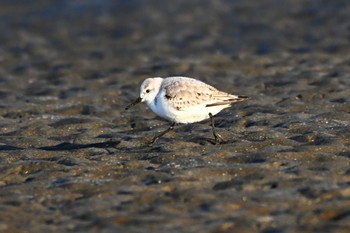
[163,133]
[217,136]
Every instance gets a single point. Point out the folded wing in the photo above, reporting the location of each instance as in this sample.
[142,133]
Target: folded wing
[184,94]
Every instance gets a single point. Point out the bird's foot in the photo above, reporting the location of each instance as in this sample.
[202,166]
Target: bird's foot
[218,139]
[151,143]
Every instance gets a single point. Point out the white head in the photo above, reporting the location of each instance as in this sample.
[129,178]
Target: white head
[149,89]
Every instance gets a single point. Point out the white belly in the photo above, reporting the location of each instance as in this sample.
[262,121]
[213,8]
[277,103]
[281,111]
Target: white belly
[192,115]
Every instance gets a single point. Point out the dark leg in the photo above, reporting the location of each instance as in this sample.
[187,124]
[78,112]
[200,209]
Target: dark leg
[163,133]
[217,136]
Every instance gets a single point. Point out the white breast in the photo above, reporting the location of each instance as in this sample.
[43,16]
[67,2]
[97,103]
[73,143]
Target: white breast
[196,114]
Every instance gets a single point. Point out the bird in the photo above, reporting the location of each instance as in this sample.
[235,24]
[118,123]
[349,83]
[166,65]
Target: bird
[184,100]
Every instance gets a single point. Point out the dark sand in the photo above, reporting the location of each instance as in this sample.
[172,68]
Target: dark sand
[72,160]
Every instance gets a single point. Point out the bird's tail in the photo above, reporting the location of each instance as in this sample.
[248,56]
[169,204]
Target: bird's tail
[233,100]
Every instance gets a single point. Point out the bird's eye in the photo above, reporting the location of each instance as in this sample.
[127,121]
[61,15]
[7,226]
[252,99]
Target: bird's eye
[148,91]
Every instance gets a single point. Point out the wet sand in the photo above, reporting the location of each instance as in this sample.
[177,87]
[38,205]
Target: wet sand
[73,160]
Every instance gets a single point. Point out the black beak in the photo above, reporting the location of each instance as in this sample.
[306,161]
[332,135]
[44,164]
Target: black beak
[138,100]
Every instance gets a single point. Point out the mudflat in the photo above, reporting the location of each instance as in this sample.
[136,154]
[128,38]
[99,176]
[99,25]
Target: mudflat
[73,160]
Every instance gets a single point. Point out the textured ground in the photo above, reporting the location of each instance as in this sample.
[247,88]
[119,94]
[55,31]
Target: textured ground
[72,160]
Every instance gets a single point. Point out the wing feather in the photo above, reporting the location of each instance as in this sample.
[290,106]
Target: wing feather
[185,93]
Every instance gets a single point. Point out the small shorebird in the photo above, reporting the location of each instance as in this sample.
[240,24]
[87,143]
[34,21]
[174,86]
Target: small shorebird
[184,100]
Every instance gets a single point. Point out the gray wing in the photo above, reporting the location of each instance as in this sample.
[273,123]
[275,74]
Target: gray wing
[184,94]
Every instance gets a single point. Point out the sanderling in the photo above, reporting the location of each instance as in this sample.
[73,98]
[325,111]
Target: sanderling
[184,100]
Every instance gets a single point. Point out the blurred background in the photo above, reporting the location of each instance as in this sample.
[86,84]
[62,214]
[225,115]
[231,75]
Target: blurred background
[72,160]
[135,36]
